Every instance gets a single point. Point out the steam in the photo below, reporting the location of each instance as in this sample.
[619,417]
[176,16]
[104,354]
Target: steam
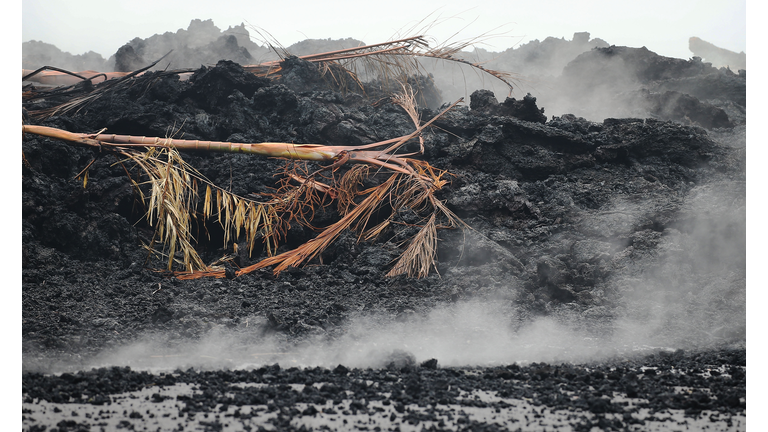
[693,291]
[463,334]
[544,70]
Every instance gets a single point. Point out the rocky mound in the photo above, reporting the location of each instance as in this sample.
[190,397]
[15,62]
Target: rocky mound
[586,239]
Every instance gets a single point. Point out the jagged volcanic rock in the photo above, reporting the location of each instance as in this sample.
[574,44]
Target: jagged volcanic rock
[628,233]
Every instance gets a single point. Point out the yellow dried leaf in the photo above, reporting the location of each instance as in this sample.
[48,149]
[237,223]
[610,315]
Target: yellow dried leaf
[207,203]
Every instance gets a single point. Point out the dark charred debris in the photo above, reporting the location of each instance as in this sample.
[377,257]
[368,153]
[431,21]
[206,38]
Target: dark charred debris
[572,218]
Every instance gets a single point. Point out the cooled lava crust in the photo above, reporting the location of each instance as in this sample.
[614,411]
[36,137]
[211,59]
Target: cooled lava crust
[566,215]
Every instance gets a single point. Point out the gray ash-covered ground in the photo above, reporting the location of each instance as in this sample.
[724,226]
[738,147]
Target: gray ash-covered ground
[602,283]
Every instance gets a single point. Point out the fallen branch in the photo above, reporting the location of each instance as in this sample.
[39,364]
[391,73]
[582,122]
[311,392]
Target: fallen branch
[174,198]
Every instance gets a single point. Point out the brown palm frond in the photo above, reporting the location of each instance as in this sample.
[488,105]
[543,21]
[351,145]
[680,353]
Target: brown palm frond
[420,255]
[299,202]
[348,186]
[406,99]
[312,248]
[391,61]
[417,194]
[402,46]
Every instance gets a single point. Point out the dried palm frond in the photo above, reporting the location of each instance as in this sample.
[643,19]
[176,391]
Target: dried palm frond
[172,195]
[419,256]
[172,205]
[392,62]
[312,248]
[173,199]
[348,186]
[79,94]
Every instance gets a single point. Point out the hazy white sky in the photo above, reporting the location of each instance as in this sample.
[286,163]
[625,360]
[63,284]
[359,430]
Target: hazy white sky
[663,26]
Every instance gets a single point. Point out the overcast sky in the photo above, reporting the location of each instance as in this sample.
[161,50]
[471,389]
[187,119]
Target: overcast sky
[663,26]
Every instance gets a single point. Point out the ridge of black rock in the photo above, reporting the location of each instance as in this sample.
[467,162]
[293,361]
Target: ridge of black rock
[527,186]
